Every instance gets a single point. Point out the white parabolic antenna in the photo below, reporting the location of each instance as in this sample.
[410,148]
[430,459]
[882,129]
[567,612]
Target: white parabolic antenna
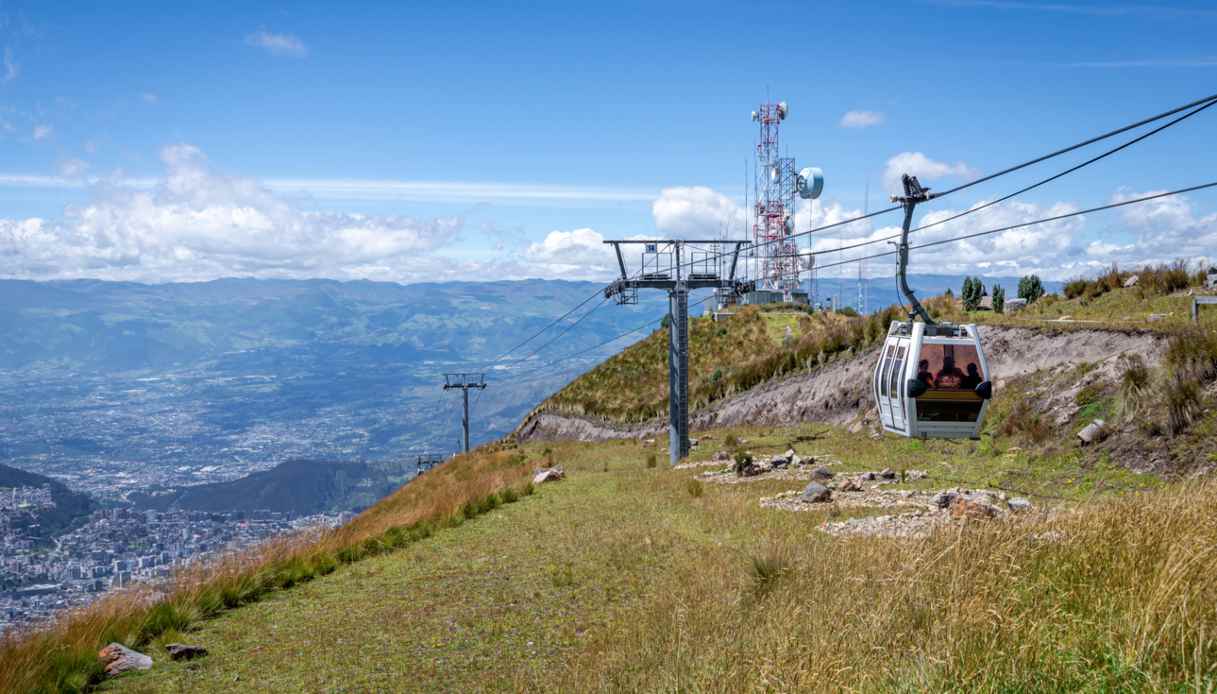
[811,183]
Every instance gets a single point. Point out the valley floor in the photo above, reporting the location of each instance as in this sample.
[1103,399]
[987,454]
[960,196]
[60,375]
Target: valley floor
[627,577]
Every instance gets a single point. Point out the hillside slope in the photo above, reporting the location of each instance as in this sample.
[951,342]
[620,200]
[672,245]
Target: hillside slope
[839,391]
[297,487]
[70,507]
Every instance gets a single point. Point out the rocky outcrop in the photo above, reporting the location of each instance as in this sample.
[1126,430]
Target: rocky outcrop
[839,392]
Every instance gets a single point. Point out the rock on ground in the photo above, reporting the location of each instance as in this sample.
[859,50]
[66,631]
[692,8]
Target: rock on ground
[549,474]
[815,493]
[118,659]
[181,651]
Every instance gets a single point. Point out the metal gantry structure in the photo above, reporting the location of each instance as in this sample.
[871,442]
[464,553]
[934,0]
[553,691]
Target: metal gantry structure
[663,266]
[465,382]
[426,461]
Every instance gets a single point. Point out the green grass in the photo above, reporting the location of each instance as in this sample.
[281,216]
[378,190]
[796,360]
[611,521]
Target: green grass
[624,580]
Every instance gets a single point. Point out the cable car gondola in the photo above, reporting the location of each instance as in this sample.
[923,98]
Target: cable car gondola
[932,379]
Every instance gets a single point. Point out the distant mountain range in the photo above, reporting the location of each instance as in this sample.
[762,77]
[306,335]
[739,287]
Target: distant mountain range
[297,487]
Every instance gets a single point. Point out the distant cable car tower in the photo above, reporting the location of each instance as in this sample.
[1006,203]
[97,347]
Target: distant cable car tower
[779,265]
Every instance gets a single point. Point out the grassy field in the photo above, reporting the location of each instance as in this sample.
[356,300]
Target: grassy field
[624,579]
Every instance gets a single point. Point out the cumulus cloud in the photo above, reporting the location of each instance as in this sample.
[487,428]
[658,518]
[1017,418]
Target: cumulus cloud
[921,166]
[1051,249]
[696,212]
[283,45]
[861,119]
[813,214]
[580,253]
[195,224]
[1156,231]
[42,132]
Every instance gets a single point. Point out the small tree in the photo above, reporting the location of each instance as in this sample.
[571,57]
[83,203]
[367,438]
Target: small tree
[1030,288]
[973,292]
[999,299]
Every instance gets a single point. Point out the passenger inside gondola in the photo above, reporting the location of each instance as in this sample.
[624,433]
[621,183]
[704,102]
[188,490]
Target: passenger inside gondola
[971,380]
[924,374]
[949,376]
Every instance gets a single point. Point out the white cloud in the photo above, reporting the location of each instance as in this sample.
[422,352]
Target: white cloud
[42,132]
[73,168]
[1158,231]
[1047,249]
[813,214]
[697,212]
[195,224]
[861,119]
[284,45]
[379,189]
[921,166]
[11,68]
[580,253]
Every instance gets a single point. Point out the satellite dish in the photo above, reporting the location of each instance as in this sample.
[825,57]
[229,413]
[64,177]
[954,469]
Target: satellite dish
[754,116]
[773,173]
[789,224]
[811,183]
[783,109]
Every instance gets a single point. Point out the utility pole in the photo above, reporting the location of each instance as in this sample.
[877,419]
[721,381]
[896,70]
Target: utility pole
[465,381]
[662,263]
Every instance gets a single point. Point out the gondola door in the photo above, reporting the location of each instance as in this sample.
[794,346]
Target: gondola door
[880,382]
[895,385]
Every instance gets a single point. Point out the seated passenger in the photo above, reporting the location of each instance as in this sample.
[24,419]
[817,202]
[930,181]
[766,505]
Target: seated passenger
[923,373]
[972,380]
[950,376]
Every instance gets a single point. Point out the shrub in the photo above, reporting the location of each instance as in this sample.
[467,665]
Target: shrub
[695,488]
[1022,420]
[768,570]
[1088,394]
[731,442]
[510,496]
[652,460]
[1075,288]
[161,618]
[1134,386]
[1183,403]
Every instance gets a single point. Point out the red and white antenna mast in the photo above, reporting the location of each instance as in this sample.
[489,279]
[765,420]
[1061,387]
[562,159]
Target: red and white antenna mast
[775,187]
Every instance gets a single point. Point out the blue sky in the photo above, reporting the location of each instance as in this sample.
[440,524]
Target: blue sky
[409,141]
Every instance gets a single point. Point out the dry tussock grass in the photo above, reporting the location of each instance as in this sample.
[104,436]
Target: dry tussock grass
[63,656]
[1115,596]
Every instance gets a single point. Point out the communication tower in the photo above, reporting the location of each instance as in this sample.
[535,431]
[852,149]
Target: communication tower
[779,266]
